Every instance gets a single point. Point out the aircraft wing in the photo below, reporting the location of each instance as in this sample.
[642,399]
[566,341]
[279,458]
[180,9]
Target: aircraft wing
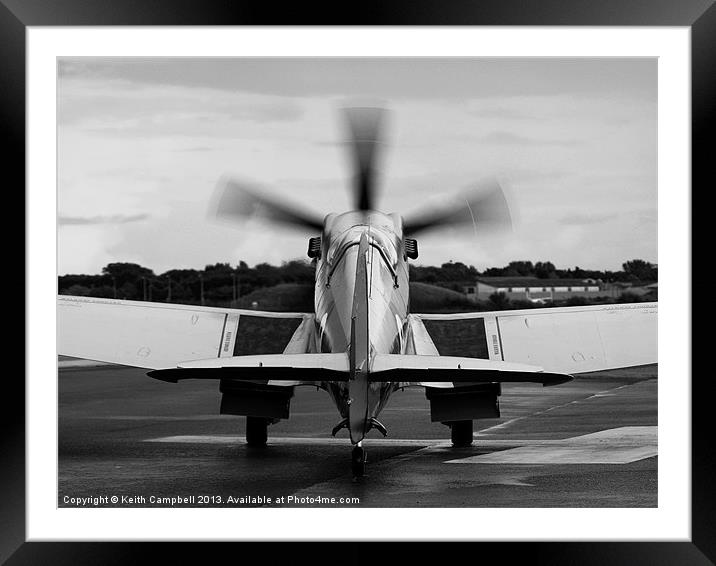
[160,335]
[562,340]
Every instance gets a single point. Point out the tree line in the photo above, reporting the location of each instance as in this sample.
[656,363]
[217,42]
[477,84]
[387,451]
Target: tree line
[222,284]
[455,274]
[216,284]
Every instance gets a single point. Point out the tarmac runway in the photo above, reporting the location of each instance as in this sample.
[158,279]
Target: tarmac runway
[588,443]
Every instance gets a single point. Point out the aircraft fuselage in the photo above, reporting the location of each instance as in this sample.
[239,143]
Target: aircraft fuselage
[361,302]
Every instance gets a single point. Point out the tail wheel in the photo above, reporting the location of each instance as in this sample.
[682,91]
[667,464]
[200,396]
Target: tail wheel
[358,460]
[461,433]
[256,431]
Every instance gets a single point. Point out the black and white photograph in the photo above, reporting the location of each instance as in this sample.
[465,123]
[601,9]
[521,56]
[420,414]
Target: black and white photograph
[384,274]
[357,282]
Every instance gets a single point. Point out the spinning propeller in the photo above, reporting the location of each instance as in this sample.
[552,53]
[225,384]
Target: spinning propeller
[483,206]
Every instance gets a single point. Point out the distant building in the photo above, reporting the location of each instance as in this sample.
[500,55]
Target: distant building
[618,289]
[532,288]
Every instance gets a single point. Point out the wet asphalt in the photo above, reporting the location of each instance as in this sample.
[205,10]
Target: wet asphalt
[123,434]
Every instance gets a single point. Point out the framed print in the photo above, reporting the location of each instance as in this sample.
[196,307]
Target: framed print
[133,115]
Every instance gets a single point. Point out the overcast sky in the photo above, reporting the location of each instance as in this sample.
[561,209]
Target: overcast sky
[143,142]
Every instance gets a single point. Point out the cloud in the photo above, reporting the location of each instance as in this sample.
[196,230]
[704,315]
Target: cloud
[94,220]
[149,118]
[508,138]
[169,129]
[124,108]
[198,148]
[386,77]
[580,219]
[533,175]
[268,112]
[184,239]
[500,113]
[646,218]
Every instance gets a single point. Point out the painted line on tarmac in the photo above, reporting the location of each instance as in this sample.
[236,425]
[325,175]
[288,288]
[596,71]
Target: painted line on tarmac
[500,426]
[179,418]
[162,418]
[621,445]
[221,439]
[613,446]
[426,444]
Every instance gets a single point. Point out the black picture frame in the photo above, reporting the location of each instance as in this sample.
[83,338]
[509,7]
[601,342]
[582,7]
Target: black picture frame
[698,15]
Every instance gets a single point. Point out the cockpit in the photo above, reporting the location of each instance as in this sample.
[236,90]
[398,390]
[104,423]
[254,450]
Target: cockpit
[381,241]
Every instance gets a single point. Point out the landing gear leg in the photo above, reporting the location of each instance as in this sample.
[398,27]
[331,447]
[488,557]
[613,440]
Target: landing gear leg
[358,460]
[256,431]
[461,433]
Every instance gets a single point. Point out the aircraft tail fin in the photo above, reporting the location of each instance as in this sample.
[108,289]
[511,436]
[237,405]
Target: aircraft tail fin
[445,369]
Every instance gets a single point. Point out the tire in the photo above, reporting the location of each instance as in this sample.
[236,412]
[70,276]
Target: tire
[256,431]
[358,459]
[461,433]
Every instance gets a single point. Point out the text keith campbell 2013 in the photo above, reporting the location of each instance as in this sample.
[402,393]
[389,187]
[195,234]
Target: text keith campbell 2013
[96,501]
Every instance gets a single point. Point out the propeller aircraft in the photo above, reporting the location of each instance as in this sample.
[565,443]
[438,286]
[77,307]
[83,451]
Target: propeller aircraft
[361,344]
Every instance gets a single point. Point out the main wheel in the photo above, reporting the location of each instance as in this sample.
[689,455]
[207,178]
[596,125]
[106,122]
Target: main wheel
[256,431]
[461,433]
[358,459]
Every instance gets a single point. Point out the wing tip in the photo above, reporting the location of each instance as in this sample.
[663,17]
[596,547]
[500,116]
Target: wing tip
[557,379]
[167,375]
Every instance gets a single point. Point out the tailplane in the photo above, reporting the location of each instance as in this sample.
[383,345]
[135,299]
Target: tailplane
[442,369]
[273,369]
